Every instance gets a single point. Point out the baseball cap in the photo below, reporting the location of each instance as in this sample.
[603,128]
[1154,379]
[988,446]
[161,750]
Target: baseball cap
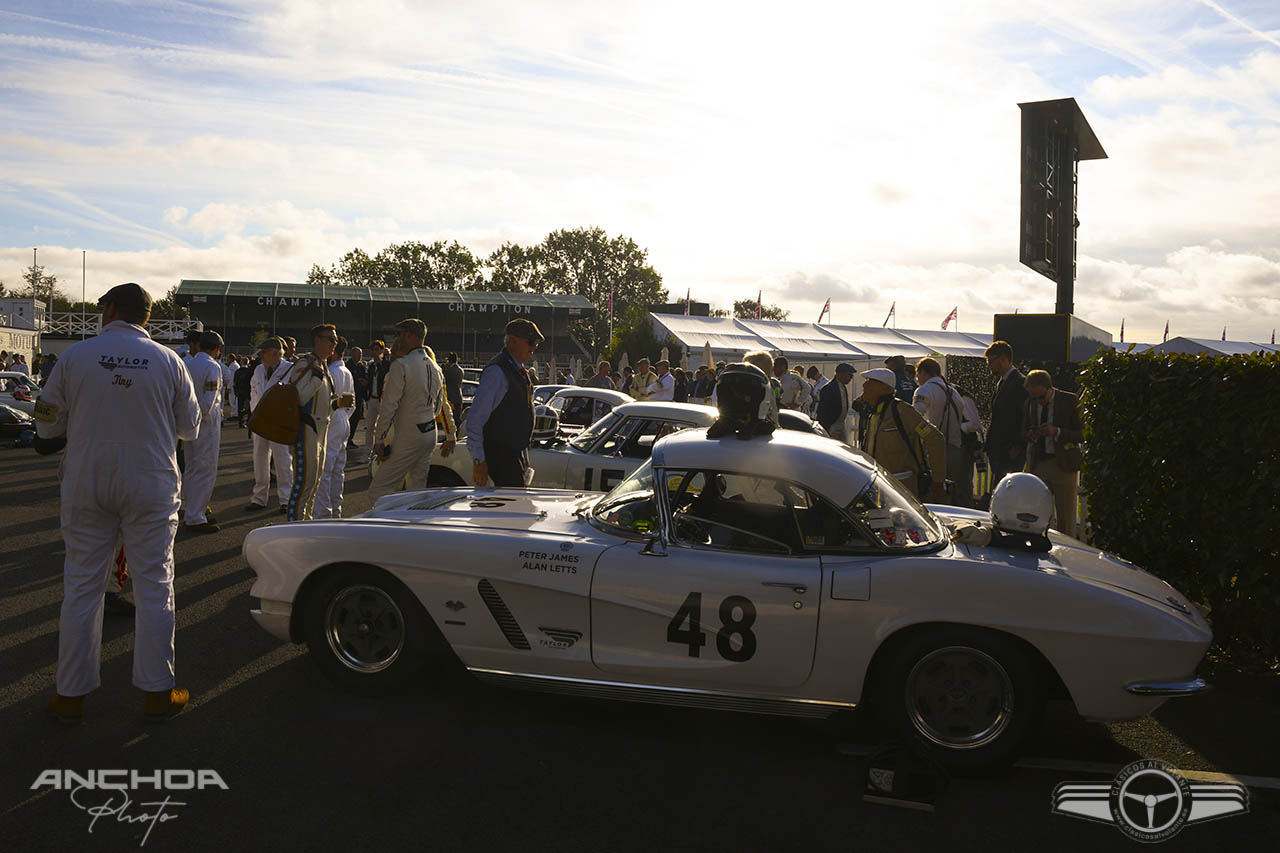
[845,367]
[129,296]
[271,342]
[525,329]
[412,325]
[881,374]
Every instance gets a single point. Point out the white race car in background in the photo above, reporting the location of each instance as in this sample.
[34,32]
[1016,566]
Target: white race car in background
[785,574]
[19,391]
[578,408]
[600,456]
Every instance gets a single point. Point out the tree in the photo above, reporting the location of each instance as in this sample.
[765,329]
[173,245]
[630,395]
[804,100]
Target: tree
[515,269]
[166,308]
[745,309]
[633,335]
[318,275]
[586,262]
[437,266]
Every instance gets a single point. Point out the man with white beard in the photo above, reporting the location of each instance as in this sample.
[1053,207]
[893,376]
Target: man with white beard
[272,370]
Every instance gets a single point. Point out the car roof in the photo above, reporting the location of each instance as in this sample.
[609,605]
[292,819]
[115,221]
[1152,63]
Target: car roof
[615,397]
[698,414]
[831,468]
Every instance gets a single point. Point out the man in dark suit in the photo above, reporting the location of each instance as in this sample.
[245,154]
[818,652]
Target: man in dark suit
[1006,447]
[833,405]
[1053,430]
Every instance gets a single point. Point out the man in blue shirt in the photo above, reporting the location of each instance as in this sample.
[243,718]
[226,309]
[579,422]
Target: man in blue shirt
[500,420]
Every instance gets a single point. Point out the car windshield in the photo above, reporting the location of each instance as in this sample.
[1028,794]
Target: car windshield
[630,505]
[894,515]
[593,433]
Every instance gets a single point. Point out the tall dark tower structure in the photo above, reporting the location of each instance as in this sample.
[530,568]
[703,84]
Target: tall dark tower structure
[1055,138]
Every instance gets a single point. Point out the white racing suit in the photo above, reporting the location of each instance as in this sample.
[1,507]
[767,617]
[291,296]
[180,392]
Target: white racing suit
[316,402]
[122,401]
[411,401]
[202,451]
[266,451]
[333,477]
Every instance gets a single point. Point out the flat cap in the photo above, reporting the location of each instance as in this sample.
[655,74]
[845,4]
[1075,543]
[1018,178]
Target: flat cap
[412,325]
[896,359]
[210,340]
[662,363]
[271,342]
[526,329]
[881,374]
[845,367]
[129,296]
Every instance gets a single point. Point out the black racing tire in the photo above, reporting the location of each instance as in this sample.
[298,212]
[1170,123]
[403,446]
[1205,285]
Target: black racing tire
[966,697]
[366,632]
[439,475]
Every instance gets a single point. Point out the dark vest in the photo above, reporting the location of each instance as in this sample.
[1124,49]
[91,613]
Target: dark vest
[510,425]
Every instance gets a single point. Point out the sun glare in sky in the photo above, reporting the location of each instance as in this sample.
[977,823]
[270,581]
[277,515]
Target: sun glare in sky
[865,153]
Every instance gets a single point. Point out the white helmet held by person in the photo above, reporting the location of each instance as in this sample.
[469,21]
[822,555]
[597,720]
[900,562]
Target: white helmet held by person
[1022,503]
[546,423]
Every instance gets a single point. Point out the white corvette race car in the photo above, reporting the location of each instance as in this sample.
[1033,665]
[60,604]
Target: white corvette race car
[786,574]
[602,455]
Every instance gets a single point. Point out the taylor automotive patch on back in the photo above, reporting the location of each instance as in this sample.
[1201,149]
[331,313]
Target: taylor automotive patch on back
[211,385]
[46,412]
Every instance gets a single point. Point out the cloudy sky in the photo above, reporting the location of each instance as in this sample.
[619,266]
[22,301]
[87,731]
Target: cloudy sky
[863,152]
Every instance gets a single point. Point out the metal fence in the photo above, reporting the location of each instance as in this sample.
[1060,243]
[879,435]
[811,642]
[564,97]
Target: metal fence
[74,324]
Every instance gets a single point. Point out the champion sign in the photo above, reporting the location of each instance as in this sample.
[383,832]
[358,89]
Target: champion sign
[473,308]
[294,302]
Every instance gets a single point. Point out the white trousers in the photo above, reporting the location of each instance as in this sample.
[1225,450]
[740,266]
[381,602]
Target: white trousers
[308,464]
[202,469]
[264,453]
[95,519]
[371,407]
[410,457]
[333,477]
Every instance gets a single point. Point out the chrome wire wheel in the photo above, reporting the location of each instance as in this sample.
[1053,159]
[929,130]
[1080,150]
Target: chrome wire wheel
[959,697]
[365,628]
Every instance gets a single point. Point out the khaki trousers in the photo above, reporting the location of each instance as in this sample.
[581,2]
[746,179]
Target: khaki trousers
[1063,486]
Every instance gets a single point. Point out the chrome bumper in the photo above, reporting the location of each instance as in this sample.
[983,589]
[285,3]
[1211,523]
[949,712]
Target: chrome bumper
[1169,688]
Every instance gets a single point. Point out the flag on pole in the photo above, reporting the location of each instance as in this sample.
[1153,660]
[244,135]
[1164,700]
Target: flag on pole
[950,317]
[1121,330]
[826,309]
[686,302]
[892,308]
[759,293]
[1166,332]
[1224,333]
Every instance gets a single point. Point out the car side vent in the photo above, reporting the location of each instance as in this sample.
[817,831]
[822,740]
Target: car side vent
[506,622]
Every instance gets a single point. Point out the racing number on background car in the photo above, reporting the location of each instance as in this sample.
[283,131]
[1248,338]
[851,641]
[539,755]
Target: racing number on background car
[730,625]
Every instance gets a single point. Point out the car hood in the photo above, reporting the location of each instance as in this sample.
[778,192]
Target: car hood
[1076,560]
[530,510]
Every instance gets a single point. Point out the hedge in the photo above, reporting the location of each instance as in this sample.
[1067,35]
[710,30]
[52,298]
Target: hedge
[1182,473]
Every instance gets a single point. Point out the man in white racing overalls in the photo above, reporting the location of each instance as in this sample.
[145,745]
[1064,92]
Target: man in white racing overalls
[333,478]
[411,401]
[272,370]
[202,452]
[119,402]
[316,402]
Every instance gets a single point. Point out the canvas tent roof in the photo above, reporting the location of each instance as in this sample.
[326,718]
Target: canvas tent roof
[809,342]
[1195,346]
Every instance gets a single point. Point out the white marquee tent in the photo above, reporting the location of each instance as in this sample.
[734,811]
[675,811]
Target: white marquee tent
[1195,346]
[810,343]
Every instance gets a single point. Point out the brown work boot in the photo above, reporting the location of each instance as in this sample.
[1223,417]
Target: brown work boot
[164,704]
[69,710]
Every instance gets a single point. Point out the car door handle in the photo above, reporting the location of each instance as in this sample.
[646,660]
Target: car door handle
[798,588]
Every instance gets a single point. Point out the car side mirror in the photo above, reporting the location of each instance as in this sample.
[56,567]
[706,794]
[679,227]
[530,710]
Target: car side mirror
[654,547]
